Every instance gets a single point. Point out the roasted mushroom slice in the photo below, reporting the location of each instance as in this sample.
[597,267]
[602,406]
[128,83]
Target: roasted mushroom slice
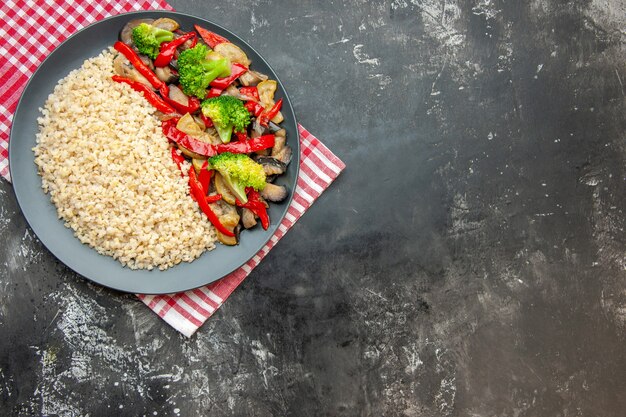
[274,193]
[248,218]
[271,166]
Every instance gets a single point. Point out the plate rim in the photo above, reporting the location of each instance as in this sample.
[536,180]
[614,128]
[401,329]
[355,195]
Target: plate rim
[295,164]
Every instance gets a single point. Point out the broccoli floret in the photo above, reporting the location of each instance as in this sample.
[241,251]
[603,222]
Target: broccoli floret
[226,112]
[148,39]
[239,171]
[196,71]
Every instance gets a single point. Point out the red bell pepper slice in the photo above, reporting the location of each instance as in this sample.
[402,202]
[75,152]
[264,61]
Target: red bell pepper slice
[149,95]
[213,198]
[214,92]
[236,71]
[197,191]
[241,136]
[250,92]
[255,205]
[168,49]
[254,108]
[194,145]
[134,59]
[212,39]
[205,177]
[178,158]
[268,115]
[207,121]
[252,145]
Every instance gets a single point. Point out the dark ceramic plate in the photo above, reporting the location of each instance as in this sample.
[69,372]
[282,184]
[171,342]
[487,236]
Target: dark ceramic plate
[41,214]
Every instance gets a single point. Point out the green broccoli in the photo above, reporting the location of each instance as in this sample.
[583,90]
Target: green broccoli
[148,39]
[239,171]
[196,71]
[226,112]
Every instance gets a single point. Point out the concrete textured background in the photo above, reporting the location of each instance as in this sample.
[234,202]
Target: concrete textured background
[470,261]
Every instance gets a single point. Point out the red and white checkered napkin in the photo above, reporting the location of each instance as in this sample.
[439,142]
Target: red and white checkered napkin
[32,29]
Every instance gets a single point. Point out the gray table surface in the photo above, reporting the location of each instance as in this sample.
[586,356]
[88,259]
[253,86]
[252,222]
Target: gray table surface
[470,261]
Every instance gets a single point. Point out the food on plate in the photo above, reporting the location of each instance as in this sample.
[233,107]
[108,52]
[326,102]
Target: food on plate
[163,145]
[148,39]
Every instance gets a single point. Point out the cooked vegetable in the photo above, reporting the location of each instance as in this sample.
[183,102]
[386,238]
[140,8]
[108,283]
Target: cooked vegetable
[267,115]
[166,23]
[236,71]
[257,206]
[252,78]
[284,155]
[166,74]
[274,193]
[177,99]
[149,95]
[230,219]
[239,171]
[233,163]
[196,71]
[134,59]
[198,193]
[224,190]
[169,49]
[227,113]
[187,125]
[247,218]
[148,39]
[251,145]
[232,52]
[251,93]
[123,67]
[212,39]
[271,166]
[177,158]
[267,89]
[186,141]
[126,34]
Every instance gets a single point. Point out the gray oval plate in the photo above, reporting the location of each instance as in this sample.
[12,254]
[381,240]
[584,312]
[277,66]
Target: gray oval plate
[41,214]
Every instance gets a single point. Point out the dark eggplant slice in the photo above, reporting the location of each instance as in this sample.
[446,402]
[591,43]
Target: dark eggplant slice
[274,128]
[271,166]
[247,218]
[274,193]
[257,128]
[284,155]
[279,144]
